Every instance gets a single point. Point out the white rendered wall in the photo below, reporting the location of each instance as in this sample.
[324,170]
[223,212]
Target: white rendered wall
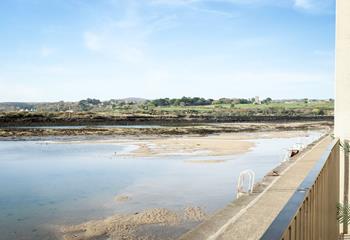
[342,95]
[342,98]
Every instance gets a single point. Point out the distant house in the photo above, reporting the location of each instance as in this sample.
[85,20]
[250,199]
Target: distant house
[257,100]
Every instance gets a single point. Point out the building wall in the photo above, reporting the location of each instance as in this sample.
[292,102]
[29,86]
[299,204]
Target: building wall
[342,102]
[342,95]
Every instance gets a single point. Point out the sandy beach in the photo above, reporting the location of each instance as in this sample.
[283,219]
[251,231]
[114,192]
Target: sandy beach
[222,144]
[213,145]
[125,226]
[194,145]
[209,146]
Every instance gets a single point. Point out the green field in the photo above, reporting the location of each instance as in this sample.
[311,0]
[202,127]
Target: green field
[274,108]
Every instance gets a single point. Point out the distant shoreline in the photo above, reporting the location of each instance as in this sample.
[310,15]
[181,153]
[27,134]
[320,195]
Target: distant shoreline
[190,129]
[91,119]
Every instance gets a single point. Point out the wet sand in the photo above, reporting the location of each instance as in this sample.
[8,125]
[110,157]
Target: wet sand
[222,144]
[122,198]
[212,145]
[125,226]
[208,146]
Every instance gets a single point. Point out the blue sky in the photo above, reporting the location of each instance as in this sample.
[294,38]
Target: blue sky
[74,49]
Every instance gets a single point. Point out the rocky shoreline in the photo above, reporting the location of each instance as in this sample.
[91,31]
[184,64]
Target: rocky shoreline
[92,119]
[200,129]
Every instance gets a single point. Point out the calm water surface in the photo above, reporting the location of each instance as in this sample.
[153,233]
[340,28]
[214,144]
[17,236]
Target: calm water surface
[43,185]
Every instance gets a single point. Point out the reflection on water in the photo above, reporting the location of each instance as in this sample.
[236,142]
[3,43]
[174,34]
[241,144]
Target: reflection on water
[46,184]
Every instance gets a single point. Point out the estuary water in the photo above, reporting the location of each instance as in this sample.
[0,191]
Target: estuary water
[43,184]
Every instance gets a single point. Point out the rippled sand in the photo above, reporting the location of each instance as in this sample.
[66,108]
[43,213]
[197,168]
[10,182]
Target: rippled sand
[125,226]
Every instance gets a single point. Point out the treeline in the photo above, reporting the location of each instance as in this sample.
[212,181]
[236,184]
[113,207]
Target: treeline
[88,103]
[184,101]
[196,101]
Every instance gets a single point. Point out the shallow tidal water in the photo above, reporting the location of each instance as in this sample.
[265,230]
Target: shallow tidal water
[44,184]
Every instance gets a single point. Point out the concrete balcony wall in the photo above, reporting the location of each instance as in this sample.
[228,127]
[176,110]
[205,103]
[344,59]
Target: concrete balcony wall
[342,99]
[342,93]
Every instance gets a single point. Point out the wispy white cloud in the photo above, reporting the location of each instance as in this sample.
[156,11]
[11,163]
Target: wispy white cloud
[92,41]
[46,51]
[315,6]
[174,2]
[304,4]
[126,39]
[241,2]
[110,45]
[324,53]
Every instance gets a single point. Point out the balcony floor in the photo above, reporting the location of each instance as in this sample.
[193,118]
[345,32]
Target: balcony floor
[248,218]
